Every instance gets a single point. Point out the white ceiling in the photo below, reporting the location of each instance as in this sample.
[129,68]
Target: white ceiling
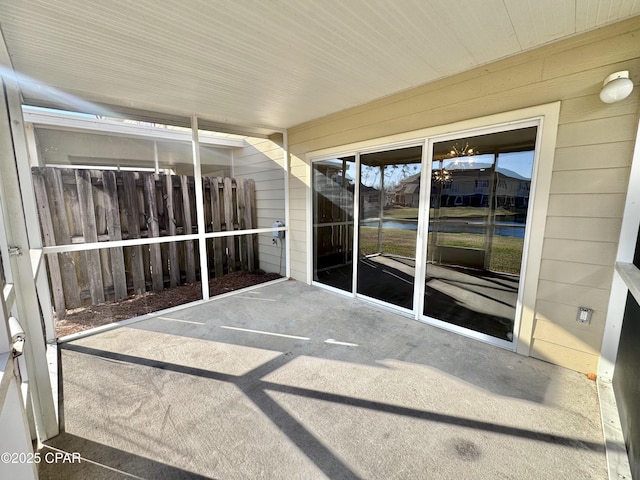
[270,63]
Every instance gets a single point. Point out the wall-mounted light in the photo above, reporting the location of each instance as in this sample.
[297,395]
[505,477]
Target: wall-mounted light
[616,87]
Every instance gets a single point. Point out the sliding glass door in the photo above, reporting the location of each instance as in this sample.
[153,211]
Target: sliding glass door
[472,207]
[477,217]
[333,186]
[387,230]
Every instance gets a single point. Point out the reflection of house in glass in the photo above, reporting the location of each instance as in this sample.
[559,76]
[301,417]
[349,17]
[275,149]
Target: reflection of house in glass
[472,187]
[407,193]
[370,202]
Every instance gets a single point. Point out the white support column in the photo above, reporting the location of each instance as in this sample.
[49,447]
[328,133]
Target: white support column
[612,328]
[287,215]
[156,160]
[23,233]
[32,145]
[619,288]
[202,242]
[233,164]
[423,229]
[309,212]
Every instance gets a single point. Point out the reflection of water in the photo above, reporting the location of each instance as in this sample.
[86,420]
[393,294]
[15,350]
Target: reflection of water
[504,229]
[393,224]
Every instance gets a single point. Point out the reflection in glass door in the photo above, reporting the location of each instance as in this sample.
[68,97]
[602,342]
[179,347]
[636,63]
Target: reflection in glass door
[388,224]
[477,217]
[333,185]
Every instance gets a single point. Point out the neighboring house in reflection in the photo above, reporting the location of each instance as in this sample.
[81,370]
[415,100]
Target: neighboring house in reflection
[407,193]
[469,185]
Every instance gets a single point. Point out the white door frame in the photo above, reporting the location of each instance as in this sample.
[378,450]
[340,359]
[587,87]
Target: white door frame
[425,207]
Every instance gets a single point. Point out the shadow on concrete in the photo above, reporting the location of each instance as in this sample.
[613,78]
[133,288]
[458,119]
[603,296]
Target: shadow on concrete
[314,313]
[254,387]
[286,329]
[99,461]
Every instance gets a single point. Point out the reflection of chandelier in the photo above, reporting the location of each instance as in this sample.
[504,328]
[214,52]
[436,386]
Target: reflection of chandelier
[441,176]
[467,151]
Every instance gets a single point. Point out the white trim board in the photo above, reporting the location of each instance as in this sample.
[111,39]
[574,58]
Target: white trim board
[617,458]
[103,126]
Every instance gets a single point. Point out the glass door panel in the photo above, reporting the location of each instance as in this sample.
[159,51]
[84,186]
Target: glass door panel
[478,210]
[333,186]
[388,224]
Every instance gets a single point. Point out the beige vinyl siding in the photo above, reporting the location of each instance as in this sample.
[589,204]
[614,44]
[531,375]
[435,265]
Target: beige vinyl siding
[587,275]
[558,354]
[590,172]
[586,205]
[262,160]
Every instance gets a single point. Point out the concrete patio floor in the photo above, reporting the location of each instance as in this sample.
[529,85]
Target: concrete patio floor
[290,381]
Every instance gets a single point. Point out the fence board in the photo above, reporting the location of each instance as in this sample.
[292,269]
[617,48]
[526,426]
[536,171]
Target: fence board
[190,258]
[153,228]
[88,220]
[251,200]
[244,239]
[115,233]
[99,200]
[48,236]
[174,265]
[228,220]
[218,257]
[62,236]
[248,220]
[133,225]
[72,211]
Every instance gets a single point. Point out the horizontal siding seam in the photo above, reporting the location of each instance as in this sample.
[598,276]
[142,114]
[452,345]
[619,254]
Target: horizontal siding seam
[587,194]
[572,284]
[573,239]
[589,217]
[571,262]
[602,114]
[595,169]
[583,329]
[565,147]
[564,346]
[562,304]
[582,263]
[581,240]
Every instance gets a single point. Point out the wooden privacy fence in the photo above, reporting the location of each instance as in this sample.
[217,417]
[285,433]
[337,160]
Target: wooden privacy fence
[83,206]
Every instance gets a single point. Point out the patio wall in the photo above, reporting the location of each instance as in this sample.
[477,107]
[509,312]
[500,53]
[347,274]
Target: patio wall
[262,160]
[590,172]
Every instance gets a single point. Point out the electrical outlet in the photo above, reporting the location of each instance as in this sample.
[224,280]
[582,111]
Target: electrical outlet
[584,315]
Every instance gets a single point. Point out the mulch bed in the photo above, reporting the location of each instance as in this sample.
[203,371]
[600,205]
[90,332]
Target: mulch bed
[90,317]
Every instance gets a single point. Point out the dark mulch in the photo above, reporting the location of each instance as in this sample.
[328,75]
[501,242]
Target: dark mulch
[89,317]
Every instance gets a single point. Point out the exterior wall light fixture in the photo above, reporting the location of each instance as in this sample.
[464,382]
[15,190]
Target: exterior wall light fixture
[616,87]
